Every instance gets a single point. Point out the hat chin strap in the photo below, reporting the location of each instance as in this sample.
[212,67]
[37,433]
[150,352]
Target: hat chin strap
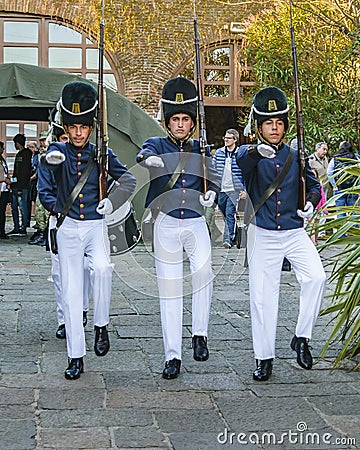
[177,141]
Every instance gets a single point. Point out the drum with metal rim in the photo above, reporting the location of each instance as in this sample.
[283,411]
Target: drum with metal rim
[123,230]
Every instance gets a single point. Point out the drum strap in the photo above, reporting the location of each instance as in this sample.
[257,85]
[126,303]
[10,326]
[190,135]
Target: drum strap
[76,191]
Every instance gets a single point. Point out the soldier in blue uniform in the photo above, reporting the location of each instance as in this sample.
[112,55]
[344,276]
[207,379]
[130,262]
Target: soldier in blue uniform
[277,231]
[57,134]
[180,224]
[84,230]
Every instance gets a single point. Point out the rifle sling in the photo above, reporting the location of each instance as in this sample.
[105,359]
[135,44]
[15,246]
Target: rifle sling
[174,177]
[269,191]
[75,192]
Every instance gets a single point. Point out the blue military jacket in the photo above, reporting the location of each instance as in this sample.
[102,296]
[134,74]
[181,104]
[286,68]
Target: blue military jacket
[68,173]
[279,210]
[182,201]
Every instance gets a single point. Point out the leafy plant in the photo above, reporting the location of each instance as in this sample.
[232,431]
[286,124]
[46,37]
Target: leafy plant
[344,223]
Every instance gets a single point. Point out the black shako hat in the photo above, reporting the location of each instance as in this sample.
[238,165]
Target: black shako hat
[78,103]
[56,129]
[179,96]
[268,103]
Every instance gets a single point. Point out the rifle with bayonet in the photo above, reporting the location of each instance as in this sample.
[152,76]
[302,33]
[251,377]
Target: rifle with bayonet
[101,122]
[201,108]
[299,120]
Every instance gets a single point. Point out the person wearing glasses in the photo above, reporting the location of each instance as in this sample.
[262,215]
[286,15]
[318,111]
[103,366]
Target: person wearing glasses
[232,185]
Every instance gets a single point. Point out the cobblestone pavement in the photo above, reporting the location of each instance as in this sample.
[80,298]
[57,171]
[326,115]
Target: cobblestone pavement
[121,400]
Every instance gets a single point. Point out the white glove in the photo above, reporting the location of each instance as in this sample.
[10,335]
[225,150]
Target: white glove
[207,199]
[105,207]
[55,157]
[266,150]
[308,211]
[154,161]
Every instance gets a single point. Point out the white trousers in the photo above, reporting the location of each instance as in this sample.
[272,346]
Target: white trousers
[75,238]
[266,251]
[171,237]
[55,275]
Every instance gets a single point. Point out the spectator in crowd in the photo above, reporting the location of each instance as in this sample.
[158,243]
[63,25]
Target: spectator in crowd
[319,161]
[33,179]
[320,211]
[20,185]
[232,186]
[4,191]
[42,141]
[345,157]
[41,214]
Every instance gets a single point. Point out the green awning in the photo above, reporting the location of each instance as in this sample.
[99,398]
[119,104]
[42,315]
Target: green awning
[30,92]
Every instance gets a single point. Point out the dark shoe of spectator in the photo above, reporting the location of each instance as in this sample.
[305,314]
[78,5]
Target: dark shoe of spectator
[102,343]
[75,368]
[172,369]
[84,318]
[304,358]
[60,332]
[4,236]
[14,232]
[199,345]
[42,240]
[36,237]
[226,244]
[22,232]
[263,370]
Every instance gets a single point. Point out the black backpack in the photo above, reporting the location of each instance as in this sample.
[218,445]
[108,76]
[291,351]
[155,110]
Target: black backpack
[339,165]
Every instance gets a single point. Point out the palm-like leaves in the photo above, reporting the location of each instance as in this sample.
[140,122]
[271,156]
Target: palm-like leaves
[345,299]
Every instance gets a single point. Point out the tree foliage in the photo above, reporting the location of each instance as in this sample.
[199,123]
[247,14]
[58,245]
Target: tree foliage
[327,36]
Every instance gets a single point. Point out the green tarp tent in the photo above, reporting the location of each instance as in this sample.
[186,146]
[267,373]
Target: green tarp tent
[30,92]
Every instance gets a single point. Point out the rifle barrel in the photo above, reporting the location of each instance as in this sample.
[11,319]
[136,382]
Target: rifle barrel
[201,107]
[299,119]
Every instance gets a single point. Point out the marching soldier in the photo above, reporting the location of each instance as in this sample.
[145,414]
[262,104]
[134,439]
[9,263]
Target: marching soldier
[57,134]
[176,198]
[83,231]
[277,231]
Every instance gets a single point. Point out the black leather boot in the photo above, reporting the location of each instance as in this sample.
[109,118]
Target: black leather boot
[172,369]
[304,358]
[263,370]
[75,368]
[102,343]
[199,345]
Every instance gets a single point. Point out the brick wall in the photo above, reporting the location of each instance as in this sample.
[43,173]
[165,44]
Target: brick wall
[148,40]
